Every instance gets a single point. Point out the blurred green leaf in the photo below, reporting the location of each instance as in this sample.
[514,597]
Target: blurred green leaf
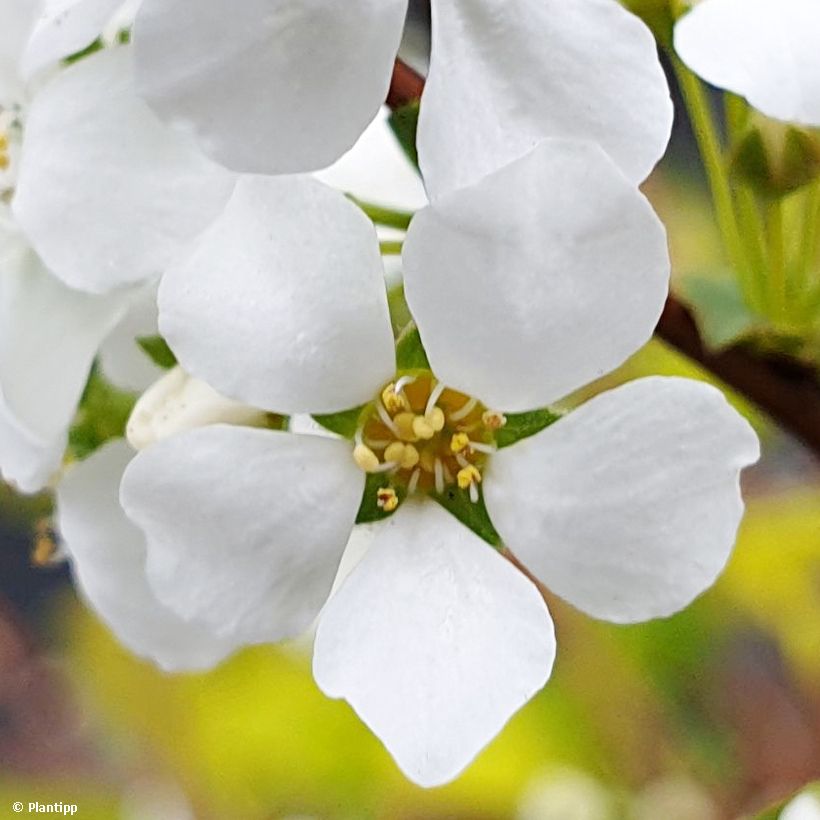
[523,425]
[102,415]
[405,122]
[158,351]
[722,315]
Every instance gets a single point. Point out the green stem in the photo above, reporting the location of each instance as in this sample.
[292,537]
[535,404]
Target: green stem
[777,260]
[754,230]
[391,248]
[382,215]
[697,104]
[808,244]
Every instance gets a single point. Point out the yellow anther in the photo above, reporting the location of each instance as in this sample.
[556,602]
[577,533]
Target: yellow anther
[410,458]
[394,402]
[387,499]
[395,452]
[404,423]
[4,142]
[459,442]
[435,418]
[4,161]
[366,458]
[467,476]
[422,428]
[493,420]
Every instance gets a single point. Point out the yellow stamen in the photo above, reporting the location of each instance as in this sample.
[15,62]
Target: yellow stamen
[422,428]
[393,401]
[467,476]
[493,420]
[459,442]
[404,423]
[435,418]
[365,458]
[387,499]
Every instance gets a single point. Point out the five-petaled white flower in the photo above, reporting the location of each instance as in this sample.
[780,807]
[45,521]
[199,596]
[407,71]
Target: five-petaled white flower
[283,86]
[96,195]
[764,50]
[525,285]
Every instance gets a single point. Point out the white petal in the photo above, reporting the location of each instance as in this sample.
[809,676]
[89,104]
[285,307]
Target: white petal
[805,806]
[505,74]
[123,361]
[435,640]
[628,507]
[376,169]
[27,462]
[18,18]
[105,192]
[764,50]
[65,27]
[49,335]
[542,277]
[282,303]
[107,555]
[245,527]
[269,86]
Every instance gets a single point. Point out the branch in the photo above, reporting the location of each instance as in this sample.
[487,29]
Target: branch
[788,391]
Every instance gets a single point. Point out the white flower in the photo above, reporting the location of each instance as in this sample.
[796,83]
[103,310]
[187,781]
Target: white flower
[101,196]
[539,278]
[764,50]
[279,87]
[805,806]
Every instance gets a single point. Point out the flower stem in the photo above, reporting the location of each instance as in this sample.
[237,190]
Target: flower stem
[777,260]
[390,248]
[697,104]
[808,244]
[382,215]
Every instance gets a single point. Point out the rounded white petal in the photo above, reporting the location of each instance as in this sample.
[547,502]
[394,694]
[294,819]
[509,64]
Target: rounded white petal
[18,17]
[539,279]
[65,27]
[435,640]
[377,170]
[49,335]
[628,507]
[281,304]
[505,74]
[764,50]
[106,193]
[107,554]
[268,86]
[805,806]
[27,462]
[245,528]
[122,360]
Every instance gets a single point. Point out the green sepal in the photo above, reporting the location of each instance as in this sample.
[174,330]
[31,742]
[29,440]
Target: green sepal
[157,350]
[369,510]
[777,159]
[400,316]
[410,353]
[523,425]
[405,123]
[91,48]
[722,315]
[102,416]
[344,423]
[474,516]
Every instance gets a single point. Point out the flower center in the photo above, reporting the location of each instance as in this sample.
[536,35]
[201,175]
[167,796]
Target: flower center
[425,437]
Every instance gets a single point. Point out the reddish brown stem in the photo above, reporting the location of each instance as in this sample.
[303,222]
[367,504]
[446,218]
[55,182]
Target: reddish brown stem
[787,391]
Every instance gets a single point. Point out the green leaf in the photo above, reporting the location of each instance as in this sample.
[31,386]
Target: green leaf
[369,510]
[410,353]
[405,123]
[158,351]
[474,516]
[524,425]
[102,416]
[721,313]
[344,423]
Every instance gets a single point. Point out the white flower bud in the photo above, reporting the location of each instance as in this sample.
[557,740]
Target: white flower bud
[179,402]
